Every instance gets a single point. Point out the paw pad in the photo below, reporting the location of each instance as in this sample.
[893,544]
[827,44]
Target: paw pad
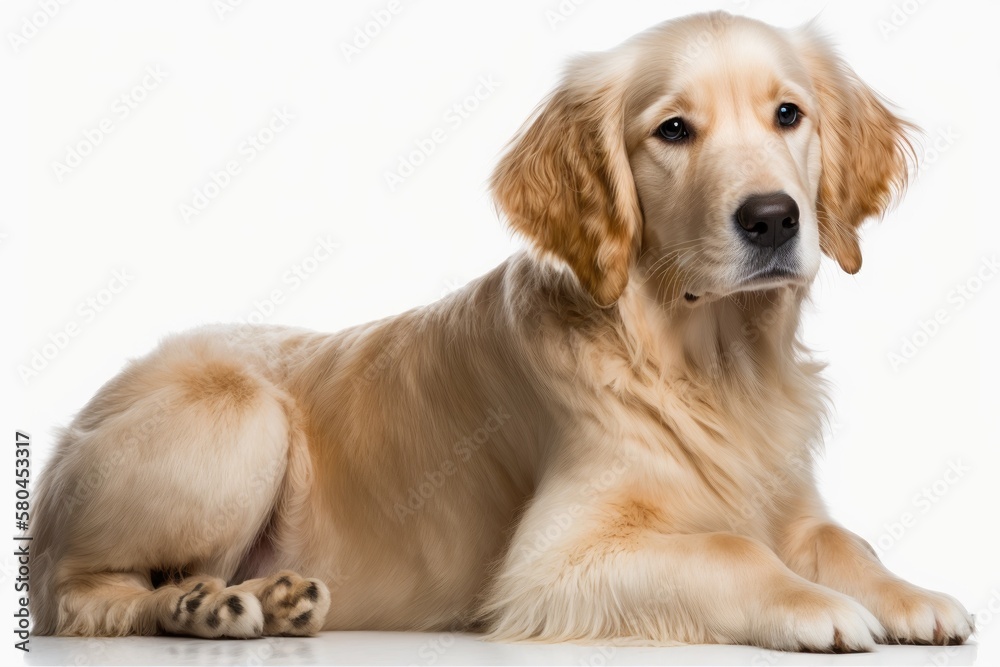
[293,605]
[208,609]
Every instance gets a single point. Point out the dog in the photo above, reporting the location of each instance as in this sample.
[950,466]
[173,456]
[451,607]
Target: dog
[608,438]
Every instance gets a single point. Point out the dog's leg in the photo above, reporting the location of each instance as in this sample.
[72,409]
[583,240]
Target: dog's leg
[176,466]
[125,604]
[602,571]
[825,553]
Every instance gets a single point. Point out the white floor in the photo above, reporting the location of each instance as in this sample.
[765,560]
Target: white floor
[380,648]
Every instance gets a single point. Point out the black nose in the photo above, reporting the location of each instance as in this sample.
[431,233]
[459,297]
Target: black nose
[768,220]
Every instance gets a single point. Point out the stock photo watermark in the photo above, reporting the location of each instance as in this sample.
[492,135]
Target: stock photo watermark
[87,311]
[558,14]
[75,153]
[463,450]
[249,149]
[599,657]
[541,540]
[32,24]
[122,455]
[448,286]
[390,352]
[960,296]
[223,8]
[762,499]
[365,33]
[22,510]
[899,15]
[984,615]
[294,277]
[706,38]
[938,143]
[454,117]
[562,12]
[435,647]
[921,503]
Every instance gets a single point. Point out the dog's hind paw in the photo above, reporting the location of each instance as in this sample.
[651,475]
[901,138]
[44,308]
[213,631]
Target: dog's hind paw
[293,605]
[206,608]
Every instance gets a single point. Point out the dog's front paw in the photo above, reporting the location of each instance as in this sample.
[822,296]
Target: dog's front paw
[293,605]
[913,615]
[813,618]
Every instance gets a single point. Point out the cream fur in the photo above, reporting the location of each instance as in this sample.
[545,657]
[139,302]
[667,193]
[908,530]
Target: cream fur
[568,449]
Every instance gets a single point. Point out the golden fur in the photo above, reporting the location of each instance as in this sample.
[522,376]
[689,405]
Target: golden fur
[609,438]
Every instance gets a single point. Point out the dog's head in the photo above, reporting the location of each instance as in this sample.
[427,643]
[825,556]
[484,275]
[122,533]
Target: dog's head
[710,155]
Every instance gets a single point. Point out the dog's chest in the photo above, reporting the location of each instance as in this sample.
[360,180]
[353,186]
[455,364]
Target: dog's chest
[710,459]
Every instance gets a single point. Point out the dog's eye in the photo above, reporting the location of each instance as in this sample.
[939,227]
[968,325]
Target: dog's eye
[788,115]
[673,130]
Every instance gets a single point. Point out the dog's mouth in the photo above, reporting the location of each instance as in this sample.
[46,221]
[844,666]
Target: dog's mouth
[764,279]
[772,277]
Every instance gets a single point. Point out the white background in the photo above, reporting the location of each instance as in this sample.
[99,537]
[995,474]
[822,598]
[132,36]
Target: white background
[899,428]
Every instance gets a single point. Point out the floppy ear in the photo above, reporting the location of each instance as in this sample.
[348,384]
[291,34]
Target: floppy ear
[866,151]
[565,183]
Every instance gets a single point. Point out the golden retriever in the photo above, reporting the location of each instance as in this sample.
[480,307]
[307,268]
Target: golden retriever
[608,438]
